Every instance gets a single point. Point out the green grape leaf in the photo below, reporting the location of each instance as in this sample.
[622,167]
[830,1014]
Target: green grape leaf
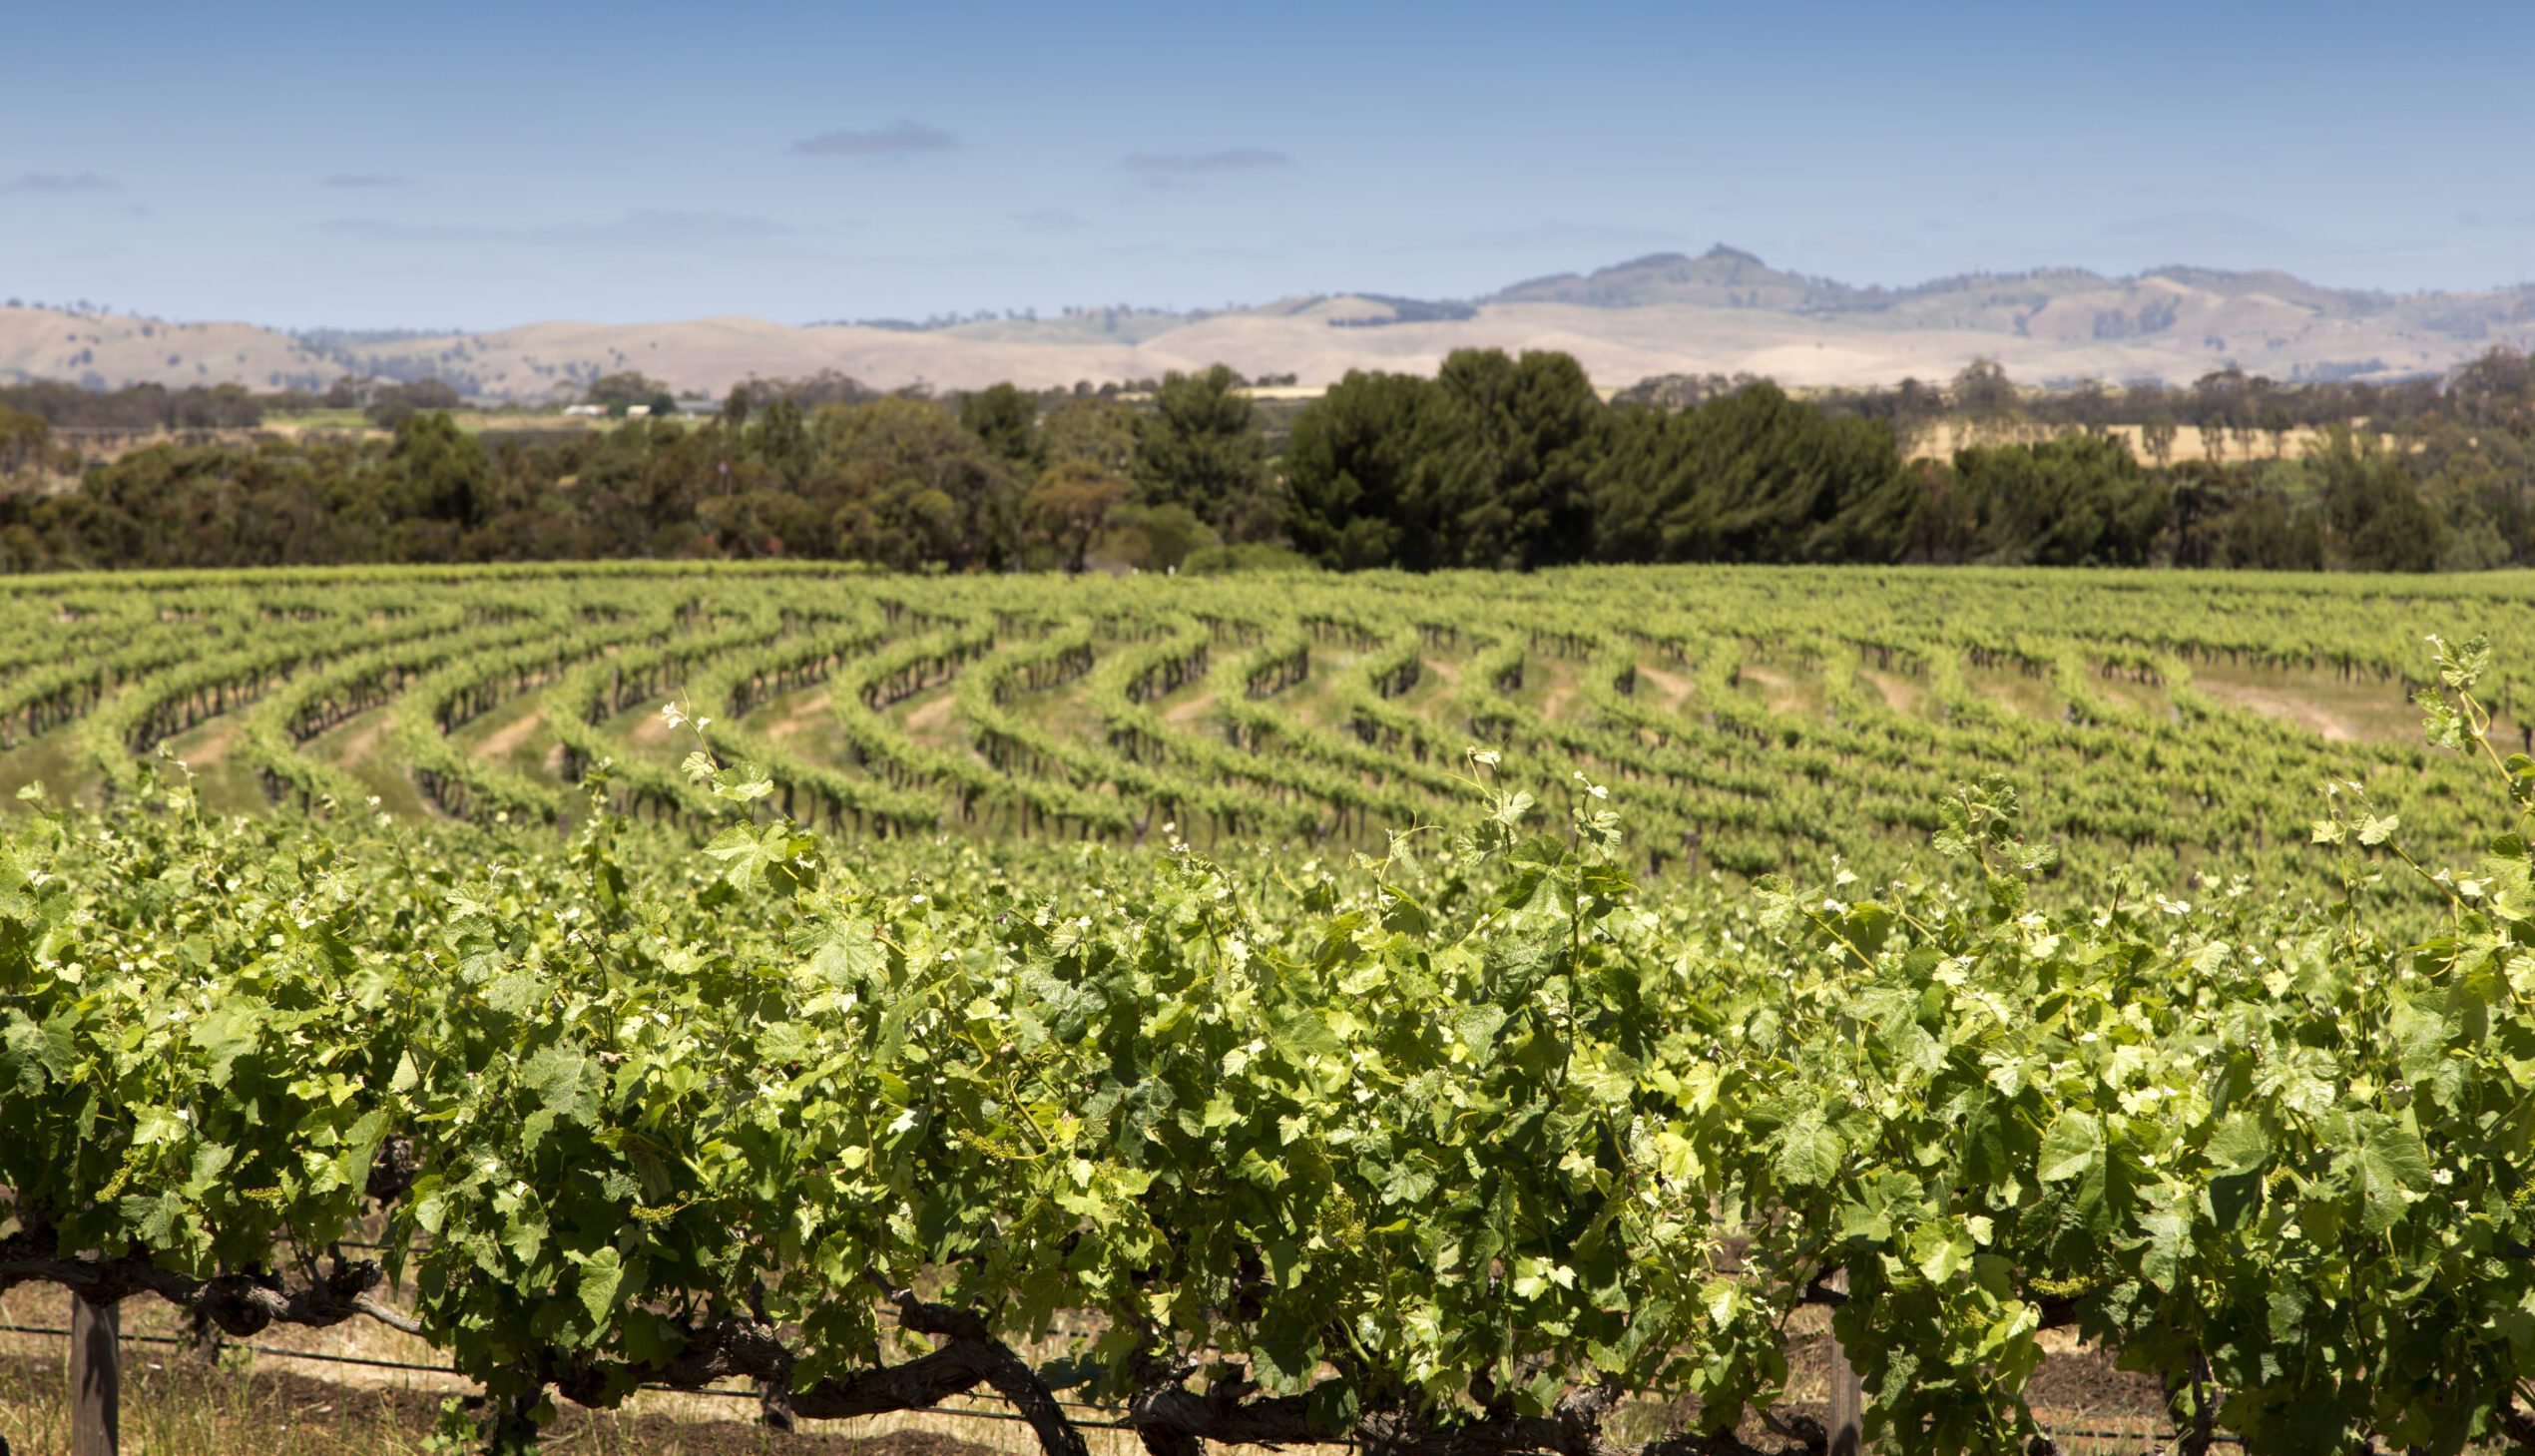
[2072,1146]
[601,1276]
[1809,1151]
[2238,1146]
[2388,1170]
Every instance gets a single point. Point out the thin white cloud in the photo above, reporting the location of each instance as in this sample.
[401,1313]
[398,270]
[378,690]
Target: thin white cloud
[384,229]
[59,182]
[1182,164]
[902,138]
[1048,219]
[643,229]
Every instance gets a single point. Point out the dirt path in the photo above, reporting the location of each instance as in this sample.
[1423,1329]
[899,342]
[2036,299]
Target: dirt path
[930,723]
[805,714]
[1188,712]
[1899,693]
[206,743]
[505,741]
[2282,705]
[653,731]
[1674,688]
[1779,688]
[361,746]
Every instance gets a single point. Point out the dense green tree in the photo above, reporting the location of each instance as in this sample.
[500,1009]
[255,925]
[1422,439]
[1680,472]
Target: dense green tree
[2496,390]
[1751,476]
[1355,494]
[911,488]
[2200,497]
[1498,461]
[2481,477]
[619,390]
[1504,454]
[2079,500]
[752,525]
[2267,533]
[1094,431]
[1486,465]
[2375,509]
[390,405]
[1070,505]
[780,439]
[1200,447]
[1007,420]
[532,508]
[1983,393]
[136,407]
[639,489]
[24,439]
[221,505]
[435,470]
[1156,538]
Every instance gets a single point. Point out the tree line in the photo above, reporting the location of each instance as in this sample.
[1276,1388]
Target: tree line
[1497,461]
[988,482]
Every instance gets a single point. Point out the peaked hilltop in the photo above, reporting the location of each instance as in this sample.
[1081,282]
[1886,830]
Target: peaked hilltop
[1722,311]
[1723,276]
[1728,277]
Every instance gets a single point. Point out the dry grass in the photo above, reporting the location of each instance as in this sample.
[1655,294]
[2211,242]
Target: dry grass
[257,1402]
[173,1408]
[1617,345]
[1939,441]
[263,1404]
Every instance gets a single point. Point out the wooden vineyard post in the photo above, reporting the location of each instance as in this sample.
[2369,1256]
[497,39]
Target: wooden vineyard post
[1846,1426]
[96,1379]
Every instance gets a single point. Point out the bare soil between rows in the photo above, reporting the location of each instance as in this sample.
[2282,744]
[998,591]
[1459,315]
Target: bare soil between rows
[270,1401]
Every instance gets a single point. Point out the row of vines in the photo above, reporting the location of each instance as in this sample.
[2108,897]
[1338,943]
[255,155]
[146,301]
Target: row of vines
[1343,1022]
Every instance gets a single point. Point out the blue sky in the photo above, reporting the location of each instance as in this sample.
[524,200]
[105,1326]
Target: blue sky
[475,164]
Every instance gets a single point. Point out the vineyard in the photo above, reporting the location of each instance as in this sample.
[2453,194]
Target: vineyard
[1451,1015]
[1743,721]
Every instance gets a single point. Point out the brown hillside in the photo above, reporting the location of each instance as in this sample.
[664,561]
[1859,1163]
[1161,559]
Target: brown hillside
[1726,311]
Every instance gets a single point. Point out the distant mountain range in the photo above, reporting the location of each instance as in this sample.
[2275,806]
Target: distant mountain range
[1724,311]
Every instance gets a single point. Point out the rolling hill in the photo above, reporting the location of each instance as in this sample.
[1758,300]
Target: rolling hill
[1722,311]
